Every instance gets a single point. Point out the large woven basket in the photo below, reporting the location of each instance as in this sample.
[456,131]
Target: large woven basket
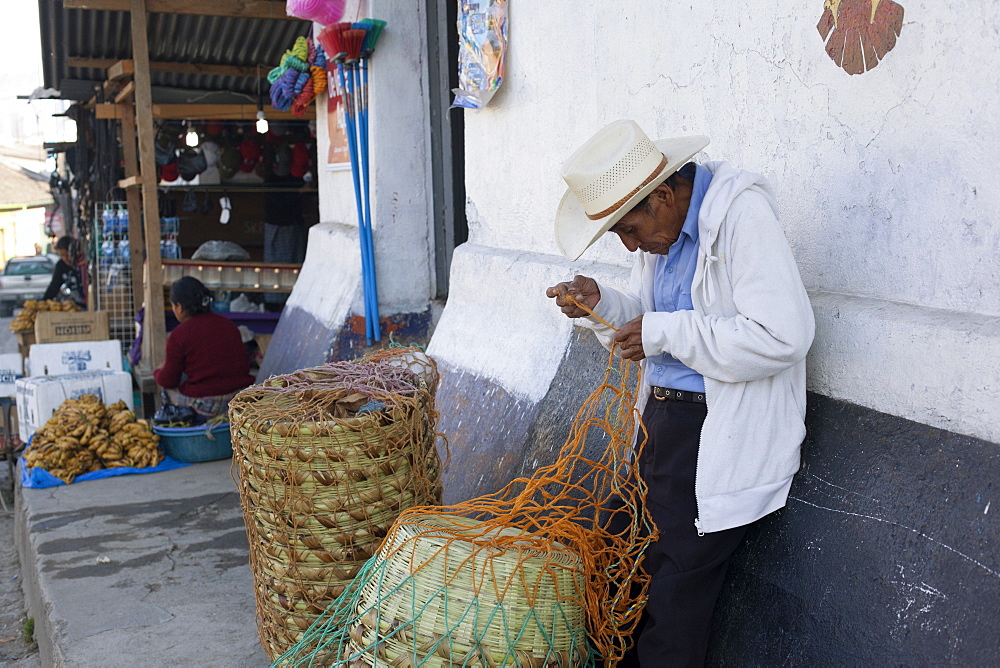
[447,594]
[319,497]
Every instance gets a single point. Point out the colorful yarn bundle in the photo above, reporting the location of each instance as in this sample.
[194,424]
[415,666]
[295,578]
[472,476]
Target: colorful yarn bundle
[283,90]
[311,88]
[299,78]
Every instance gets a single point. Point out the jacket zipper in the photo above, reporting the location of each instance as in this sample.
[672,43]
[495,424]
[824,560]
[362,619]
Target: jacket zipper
[697,472]
[697,464]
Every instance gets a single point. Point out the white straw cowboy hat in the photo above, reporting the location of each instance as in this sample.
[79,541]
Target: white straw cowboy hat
[609,175]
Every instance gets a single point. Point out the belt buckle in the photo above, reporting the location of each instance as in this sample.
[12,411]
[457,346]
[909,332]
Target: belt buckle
[661,393]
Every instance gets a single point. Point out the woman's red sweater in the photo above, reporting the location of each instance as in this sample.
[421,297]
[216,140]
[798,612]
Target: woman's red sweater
[208,350]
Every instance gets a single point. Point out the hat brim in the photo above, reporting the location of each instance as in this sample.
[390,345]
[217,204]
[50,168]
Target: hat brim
[575,232]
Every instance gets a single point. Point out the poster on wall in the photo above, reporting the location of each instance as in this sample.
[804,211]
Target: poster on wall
[338,157]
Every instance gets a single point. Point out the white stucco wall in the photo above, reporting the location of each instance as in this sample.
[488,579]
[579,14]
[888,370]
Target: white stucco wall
[884,179]
[398,162]
[313,291]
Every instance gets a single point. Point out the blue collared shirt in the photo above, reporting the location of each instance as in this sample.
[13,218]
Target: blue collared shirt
[672,290]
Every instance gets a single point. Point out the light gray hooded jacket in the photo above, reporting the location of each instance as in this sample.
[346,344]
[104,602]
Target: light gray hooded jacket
[748,335]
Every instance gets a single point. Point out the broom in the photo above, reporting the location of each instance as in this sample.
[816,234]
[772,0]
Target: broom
[353,40]
[338,46]
[374,29]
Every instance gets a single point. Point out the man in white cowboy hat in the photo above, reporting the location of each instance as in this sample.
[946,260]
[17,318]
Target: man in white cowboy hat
[719,319]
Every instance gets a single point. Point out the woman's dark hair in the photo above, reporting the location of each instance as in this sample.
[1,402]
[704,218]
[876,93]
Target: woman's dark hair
[64,243]
[191,294]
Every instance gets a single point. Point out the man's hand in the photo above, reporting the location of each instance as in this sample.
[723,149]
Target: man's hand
[582,289]
[629,340]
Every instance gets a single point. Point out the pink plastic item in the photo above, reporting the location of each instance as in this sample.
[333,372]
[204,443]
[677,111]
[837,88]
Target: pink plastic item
[324,12]
[332,12]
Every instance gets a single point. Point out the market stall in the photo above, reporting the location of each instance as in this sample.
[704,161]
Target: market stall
[180,150]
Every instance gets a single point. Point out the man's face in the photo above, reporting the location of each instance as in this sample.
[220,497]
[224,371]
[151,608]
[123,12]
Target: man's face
[652,228]
[64,254]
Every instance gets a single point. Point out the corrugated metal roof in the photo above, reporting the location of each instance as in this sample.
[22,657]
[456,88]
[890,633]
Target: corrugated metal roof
[180,38]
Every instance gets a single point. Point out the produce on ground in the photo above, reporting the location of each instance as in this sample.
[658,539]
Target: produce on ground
[83,436]
[25,320]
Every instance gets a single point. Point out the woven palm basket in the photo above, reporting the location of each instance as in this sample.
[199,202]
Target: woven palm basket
[319,496]
[444,593]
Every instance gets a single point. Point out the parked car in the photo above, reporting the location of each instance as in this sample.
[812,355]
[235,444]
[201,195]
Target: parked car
[24,278]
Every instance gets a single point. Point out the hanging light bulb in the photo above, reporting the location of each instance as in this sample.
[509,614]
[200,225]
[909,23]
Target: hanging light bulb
[261,121]
[191,138]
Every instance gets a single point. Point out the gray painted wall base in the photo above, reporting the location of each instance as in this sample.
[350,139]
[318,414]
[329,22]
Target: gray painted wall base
[884,555]
[495,437]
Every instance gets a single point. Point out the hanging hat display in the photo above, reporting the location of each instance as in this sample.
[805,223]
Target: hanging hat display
[249,154]
[282,159]
[265,165]
[190,163]
[229,161]
[165,149]
[300,160]
[169,173]
[213,128]
[212,152]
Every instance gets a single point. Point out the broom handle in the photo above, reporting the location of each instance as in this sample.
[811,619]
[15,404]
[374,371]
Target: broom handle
[353,150]
[362,96]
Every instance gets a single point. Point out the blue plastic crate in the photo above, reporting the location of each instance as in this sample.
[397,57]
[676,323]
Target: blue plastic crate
[196,444]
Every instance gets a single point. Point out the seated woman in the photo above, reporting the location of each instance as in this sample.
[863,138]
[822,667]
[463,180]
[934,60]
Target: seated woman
[206,363]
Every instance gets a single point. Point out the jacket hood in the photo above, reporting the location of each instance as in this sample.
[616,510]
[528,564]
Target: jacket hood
[727,183]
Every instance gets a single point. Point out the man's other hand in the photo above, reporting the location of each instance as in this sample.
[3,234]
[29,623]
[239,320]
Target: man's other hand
[629,340]
[582,289]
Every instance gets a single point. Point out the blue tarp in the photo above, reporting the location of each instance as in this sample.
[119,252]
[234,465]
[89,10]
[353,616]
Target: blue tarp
[39,477]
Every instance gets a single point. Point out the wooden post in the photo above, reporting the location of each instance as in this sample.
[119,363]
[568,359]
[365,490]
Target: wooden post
[154,323]
[134,200]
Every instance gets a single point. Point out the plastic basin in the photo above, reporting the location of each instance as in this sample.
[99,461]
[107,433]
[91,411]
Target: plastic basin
[196,444]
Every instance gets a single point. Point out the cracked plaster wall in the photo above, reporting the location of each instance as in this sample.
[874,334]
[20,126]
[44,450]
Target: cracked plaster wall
[884,179]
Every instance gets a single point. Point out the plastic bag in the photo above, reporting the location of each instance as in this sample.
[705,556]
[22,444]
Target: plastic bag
[221,251]
[482,50]
[242,304]
[170,414]
[190,163]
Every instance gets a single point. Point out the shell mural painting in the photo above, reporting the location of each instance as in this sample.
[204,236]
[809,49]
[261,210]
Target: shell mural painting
[859,33]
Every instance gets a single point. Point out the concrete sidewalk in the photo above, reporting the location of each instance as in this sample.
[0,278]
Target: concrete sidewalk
[140,570]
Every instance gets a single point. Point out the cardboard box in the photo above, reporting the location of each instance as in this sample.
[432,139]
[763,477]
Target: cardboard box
[39,397]
[66,326]
[24,342]
[11,368]
[58,359]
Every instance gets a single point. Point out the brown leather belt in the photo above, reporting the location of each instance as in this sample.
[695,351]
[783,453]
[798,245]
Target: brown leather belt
[668,394]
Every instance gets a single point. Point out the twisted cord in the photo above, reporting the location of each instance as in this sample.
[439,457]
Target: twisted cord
[283,90]
[319,81]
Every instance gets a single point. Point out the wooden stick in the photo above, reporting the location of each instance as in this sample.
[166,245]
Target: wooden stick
[154,330]
[133,197]
[254,9]
[195,112]
[118,69]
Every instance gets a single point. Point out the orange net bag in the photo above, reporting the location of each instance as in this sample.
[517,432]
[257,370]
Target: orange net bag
[545,572]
